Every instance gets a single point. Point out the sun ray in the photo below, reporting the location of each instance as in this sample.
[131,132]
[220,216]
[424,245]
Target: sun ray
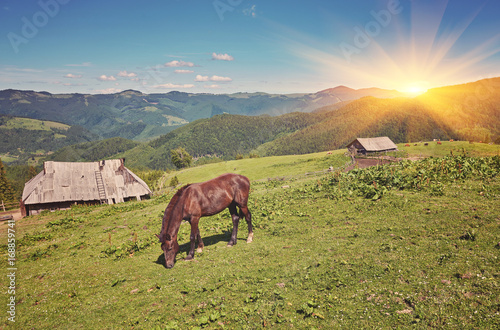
[427,58]
[424,35]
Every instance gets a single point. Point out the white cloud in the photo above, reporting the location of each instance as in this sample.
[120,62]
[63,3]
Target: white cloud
[201,78]
[106,78]
[220,79]
[177,64]
[16,69]
[82,64]
[222,57]
[73,76]
[183,71]
[252,11]
[214,86]
[126,74]
[171,86]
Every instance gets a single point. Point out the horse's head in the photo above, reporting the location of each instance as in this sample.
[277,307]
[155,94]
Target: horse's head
[170,248]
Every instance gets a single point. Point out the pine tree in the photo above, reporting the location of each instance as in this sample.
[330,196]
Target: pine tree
[31,173]
[6,192]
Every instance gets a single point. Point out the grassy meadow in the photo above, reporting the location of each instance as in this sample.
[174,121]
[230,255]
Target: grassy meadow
[326,253]
[434,149]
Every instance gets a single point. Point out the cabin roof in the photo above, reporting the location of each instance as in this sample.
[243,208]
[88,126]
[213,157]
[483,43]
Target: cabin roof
[382,143]
[65,181]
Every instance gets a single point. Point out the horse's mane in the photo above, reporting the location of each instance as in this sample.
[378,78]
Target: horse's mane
[168,212]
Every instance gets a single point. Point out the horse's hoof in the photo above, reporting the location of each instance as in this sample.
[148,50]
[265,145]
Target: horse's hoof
[250,238]
[229,245]
[188,258]
[199,250]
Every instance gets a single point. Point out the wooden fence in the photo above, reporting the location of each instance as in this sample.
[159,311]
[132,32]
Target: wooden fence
[12,205]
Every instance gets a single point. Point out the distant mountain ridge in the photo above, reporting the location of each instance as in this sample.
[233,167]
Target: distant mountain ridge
[137,116]
[465,112]
[344,93]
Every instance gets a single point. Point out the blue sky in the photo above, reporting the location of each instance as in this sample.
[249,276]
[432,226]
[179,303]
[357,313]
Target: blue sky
[226,46]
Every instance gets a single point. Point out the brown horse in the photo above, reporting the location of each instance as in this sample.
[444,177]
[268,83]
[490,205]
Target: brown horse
[204,199]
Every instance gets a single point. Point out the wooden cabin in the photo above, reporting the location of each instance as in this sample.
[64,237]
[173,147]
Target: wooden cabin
[62,184]
[369,145]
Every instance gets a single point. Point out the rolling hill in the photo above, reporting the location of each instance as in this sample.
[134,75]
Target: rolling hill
[23,138]
[223,136]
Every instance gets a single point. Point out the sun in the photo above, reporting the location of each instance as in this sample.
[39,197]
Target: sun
[414,90]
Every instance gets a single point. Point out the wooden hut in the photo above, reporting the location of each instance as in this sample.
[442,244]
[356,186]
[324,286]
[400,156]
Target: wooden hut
[62,184]
[368,145]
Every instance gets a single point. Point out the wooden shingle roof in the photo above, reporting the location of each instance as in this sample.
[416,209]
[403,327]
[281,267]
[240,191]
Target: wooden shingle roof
[64,181]
[382,143]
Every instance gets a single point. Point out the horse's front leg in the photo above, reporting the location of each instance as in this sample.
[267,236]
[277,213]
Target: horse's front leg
[195,232]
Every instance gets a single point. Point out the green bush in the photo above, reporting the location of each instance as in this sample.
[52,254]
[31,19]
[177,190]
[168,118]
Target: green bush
[429,174]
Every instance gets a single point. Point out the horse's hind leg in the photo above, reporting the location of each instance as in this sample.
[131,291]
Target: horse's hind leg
[248,217]
[236,220]
[200,243]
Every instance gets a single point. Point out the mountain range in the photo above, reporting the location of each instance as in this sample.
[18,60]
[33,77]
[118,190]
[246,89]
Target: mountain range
[466,112]
[133,115]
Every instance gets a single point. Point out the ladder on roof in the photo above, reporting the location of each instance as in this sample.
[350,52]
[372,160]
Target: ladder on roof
[100,187]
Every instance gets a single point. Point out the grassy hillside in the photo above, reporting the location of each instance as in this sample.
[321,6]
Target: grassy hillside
[261,169]
[399,119]
[323,256]
[24,138]
[473,109]
[446,148]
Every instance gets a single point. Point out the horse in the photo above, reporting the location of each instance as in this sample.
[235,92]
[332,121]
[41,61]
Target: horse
[197,200]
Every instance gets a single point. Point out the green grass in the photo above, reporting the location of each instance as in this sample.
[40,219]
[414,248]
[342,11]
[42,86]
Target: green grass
[7,159]
[264,168]
[443,149]
[34,124]
[409,259]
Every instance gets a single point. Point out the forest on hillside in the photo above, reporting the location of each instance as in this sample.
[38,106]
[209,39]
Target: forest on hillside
[224,136]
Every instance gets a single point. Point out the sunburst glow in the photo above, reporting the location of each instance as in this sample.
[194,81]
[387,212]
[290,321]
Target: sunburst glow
[414,90]
[401,55]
